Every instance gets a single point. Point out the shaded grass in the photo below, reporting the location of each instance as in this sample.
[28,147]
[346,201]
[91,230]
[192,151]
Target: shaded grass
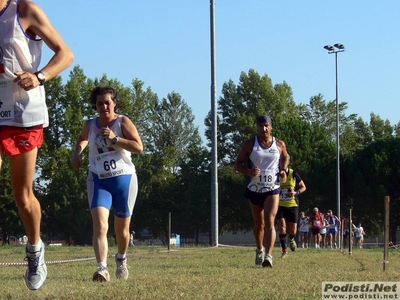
[196,273]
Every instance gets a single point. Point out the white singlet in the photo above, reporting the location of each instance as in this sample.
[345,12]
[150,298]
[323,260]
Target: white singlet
[18,52]
[108,160]
[267,159]
[304,225]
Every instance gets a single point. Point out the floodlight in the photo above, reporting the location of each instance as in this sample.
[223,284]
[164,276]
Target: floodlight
[329,48]
[339,46]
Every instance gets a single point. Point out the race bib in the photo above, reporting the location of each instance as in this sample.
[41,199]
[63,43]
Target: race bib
[317,223]
[109,164]
[6,100]
[285,196]
[263,182]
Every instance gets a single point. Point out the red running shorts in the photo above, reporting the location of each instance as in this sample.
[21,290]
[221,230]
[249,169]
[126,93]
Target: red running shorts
[18,140]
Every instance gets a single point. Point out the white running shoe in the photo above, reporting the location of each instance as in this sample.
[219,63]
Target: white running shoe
[268,261]
[101,275]
[260,254]
[36,274]
[293,245]
[122,268]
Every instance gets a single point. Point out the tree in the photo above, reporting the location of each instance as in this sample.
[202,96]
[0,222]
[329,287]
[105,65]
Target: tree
[173,134]
[371,174]
[10,222]
[234,209]
[324,113]
[173,131]
[194,215]
[312,154]
[380,129]
[239,106]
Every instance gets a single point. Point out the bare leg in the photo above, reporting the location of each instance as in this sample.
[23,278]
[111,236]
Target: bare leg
[258,229]
[282,233]
[121,227]
[292,228]
[270,209]
[22,167]
[100,229]
[1,156]
[282,226]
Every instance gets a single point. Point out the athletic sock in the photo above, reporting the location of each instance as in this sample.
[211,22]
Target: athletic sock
[34,248]
[282,238]
[121,256]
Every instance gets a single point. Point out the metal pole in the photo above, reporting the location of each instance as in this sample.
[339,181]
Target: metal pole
[214,167]
[386,234]
[337,145]
[169,232]
[350,231]
[331,49]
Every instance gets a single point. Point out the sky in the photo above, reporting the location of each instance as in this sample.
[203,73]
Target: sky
[166,44]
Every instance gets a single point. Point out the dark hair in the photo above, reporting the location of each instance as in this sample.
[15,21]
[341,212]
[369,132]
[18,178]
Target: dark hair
[102,90]
[264,119]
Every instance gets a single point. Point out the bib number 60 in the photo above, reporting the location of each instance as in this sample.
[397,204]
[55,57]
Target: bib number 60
[108,165]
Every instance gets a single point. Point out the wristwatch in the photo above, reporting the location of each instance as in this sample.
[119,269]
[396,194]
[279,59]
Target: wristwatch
[41,77]
[115,140]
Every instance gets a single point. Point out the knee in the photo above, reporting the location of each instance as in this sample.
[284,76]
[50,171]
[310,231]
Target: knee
[100,228]
[259,223]
[270,222]
[258,226]
[24,201]
[122,232]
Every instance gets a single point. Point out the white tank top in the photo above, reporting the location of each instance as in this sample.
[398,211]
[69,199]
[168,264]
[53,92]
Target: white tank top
[108,160]
[304,224]
[267,159]
[18,52]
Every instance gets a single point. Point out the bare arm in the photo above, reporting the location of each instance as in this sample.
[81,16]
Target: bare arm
[302,187]
[81,144]
[284,160]
[131,140]
[241,159]
[36,23]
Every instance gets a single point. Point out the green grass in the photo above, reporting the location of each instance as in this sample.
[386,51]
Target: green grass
[196,273]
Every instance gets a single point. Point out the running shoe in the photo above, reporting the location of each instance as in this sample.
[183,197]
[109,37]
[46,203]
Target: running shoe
[101,275]
[260,254]
[284,254]
[36,274]
[122,268]
[293,245]
[267,261]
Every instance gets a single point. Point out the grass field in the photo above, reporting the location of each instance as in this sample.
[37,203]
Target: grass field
[195,273]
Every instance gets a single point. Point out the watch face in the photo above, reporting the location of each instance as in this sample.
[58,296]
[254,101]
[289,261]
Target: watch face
[41,76]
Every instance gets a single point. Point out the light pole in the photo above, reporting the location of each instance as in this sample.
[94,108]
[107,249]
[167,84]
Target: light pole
[336,48]
[214,150]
